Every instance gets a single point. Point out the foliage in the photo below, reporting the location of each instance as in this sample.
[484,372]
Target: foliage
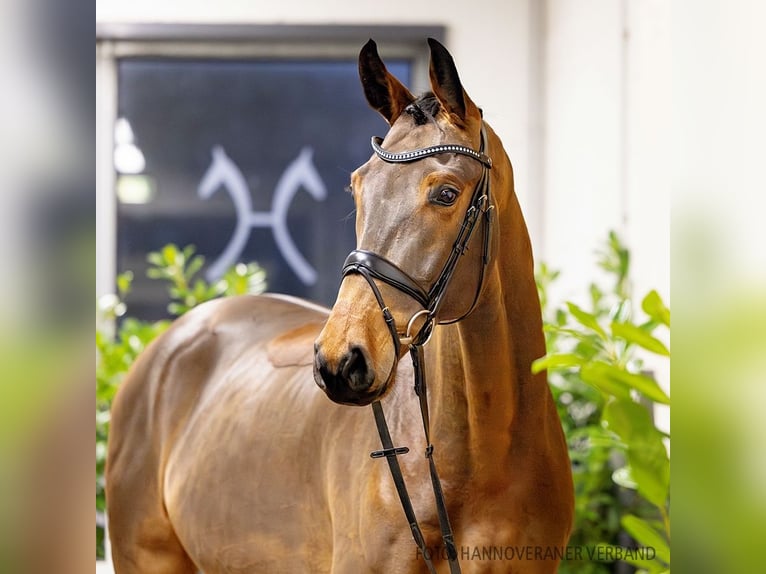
[118,348]
[603,395]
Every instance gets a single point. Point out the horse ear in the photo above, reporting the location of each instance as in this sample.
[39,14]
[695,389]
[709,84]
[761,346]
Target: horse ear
[383,91]
[446,86]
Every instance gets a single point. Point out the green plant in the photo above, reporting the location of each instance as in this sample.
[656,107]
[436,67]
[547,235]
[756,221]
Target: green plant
[121,338]
[595,368]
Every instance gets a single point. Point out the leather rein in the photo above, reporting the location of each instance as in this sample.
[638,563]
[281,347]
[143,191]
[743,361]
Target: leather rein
[372,266]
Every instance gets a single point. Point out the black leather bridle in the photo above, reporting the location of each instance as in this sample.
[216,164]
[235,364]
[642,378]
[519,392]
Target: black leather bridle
[373,267]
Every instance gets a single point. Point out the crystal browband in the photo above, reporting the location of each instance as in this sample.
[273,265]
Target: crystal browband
[417,154]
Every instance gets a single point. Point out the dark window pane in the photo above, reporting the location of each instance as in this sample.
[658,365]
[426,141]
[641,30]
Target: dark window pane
[299,127]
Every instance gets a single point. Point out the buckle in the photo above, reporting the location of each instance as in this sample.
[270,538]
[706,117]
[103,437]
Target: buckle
[387,452]
[411,338]
[482,202]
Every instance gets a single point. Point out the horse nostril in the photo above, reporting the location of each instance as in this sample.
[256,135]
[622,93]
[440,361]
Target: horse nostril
[321,373]
[349,381]
[355,370]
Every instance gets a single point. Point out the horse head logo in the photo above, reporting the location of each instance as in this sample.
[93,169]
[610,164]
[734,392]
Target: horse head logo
[299,174]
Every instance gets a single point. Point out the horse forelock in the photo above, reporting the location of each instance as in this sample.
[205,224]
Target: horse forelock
[424,109]
[427,111]
[424,122]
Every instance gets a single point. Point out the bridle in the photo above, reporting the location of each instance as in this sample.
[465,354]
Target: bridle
[372,266]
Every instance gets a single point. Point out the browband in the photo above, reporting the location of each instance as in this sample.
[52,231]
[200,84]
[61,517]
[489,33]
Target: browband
[414,155]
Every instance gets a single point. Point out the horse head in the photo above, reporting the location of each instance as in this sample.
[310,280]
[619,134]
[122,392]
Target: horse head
[415,199]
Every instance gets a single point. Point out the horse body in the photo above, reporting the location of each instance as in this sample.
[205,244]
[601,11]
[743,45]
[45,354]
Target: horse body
[224,455]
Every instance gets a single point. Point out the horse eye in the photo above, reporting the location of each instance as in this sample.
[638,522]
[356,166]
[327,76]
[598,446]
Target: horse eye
[445,196]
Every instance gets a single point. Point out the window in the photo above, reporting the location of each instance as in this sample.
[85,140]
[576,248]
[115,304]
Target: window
[242,149]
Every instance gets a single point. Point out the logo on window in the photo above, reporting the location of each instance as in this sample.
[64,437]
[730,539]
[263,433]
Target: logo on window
[299,174]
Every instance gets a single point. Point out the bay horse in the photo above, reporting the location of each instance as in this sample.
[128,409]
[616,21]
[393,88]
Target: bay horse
[225,456]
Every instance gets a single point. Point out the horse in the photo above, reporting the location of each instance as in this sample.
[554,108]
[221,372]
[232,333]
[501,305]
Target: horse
[225,454]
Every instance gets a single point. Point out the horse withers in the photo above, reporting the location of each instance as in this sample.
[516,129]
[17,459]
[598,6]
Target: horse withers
[225,455]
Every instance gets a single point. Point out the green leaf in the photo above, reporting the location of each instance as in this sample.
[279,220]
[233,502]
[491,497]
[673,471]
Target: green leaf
[596,295]
[638,336]
[624,478]
[598,375]
[647,386]
[586,319]
[643,532]
[124,281]
[647,456]
[172,255]
[156,273]
[655,308]
[189,250]
[195,264]
[602,372]
[199,292]
[557,361]
[177,308]
[155,258]
[621,312]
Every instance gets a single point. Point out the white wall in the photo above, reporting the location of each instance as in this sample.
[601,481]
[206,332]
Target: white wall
[582,147]
[606,145]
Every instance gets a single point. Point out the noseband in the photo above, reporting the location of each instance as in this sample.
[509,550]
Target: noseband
[372,266]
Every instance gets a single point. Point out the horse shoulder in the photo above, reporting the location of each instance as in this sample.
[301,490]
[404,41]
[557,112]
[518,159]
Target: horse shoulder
[176,392]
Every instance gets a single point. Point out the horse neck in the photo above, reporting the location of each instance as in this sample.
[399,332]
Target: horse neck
[482,384]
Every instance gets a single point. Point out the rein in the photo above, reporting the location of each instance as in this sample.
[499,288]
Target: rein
[372,266]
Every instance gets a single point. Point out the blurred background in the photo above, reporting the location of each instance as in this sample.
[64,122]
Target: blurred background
[611,111]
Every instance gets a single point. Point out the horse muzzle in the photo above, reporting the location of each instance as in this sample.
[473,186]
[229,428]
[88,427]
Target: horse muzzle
[349,380]
[354,359]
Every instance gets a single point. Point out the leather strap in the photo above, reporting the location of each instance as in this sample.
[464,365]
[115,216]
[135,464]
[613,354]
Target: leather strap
[421,389]
[414,155]
[391,452]
[386,271]
[480,204]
